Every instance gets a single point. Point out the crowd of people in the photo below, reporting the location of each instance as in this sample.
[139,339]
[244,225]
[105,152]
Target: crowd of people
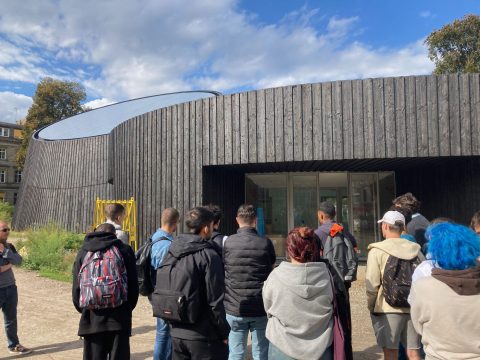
[210,291]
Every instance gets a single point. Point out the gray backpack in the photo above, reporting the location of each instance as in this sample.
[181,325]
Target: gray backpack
[340,253]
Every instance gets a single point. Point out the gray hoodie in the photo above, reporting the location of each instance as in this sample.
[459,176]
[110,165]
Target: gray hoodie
[298,301]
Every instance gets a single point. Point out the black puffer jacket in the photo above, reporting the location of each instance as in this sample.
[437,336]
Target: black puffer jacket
[117,319]
[248,259]
[197,254]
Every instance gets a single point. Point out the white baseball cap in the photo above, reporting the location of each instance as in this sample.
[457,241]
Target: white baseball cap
[390,217]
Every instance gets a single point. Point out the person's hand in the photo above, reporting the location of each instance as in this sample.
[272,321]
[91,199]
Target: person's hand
[225,341]
[4,268]
[2,247]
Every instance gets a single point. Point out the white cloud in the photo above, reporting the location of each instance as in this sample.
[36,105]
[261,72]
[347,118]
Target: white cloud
[98,103]
[13,106]
[135,49]
[427,14]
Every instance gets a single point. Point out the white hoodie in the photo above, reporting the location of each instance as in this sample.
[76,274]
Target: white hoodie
[298,301]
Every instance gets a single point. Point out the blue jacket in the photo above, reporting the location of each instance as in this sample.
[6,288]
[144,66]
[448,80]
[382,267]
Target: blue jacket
[160,248]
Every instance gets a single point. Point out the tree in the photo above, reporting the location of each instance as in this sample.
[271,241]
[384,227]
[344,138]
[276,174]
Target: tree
[455,48]
[54,100]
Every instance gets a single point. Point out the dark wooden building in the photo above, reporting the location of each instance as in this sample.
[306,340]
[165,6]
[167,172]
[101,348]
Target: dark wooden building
[356,143]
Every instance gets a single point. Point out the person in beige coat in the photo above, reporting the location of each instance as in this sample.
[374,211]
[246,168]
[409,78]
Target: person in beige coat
[444,306]
[392,325]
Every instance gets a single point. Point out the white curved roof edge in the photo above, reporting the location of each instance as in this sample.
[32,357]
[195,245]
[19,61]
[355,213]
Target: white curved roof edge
[101,121]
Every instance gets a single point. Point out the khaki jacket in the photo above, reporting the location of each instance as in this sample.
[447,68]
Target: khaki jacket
[377,258]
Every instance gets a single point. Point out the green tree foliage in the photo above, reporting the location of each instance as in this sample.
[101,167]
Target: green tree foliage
[54,100]
[455,48]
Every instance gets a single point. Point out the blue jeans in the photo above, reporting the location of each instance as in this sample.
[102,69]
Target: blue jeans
[162,350]
[237,339]
[8,303]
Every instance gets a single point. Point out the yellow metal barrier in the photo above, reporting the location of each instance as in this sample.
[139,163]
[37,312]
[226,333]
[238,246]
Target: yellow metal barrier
[129,224]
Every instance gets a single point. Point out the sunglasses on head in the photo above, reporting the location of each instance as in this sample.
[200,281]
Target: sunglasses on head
[5,230]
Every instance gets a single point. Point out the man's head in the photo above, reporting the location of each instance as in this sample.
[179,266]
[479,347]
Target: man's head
[393,224]
[4,232]
[408,201]
[170,218]
[326,212]
[475,223]
[105,227]
[200,222]
[246,216]
[217,214]
[115,212]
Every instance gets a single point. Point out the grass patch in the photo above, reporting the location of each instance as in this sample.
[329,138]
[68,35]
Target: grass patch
[6,211]
[50,250]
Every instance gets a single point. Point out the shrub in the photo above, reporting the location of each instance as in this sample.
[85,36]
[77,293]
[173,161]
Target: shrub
[6,211]
[50,249]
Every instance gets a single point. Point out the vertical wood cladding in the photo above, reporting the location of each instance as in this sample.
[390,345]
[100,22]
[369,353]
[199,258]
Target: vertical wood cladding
[159,158]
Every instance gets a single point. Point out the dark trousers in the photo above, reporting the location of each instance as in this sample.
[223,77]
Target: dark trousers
[8,303]
[107,345]
[199,350]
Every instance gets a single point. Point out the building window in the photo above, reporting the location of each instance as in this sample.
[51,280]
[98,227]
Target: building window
[3,176]
[3,154]
[18,176]
[5,132]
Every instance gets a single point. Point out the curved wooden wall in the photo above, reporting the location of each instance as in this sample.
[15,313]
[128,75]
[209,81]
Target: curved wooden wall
[160,158]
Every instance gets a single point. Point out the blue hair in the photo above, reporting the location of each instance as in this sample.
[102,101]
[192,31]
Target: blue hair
[453,246]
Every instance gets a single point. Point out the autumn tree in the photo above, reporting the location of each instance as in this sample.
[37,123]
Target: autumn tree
[54,100]
[455,48]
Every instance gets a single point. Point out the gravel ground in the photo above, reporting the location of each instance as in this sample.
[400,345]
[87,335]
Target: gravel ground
[48,322]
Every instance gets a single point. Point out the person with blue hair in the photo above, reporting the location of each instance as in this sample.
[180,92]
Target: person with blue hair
[443,305]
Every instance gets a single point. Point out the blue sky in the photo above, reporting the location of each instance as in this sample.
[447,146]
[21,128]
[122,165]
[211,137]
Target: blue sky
[123,49]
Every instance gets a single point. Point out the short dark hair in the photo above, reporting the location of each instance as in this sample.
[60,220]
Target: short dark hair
[303,245]
[398,227]
[105,227]
[407,214]
[170,216]
[217,212]
[197,218]
[408,201]
[327,208]
[247,213]
[113,211]
[475,222]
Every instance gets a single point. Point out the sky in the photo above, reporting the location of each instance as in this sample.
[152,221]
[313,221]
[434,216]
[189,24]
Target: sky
[125,49]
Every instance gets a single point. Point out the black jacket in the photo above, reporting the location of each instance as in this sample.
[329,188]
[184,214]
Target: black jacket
[117,319]
[217,242]
[248,259]
[193,254]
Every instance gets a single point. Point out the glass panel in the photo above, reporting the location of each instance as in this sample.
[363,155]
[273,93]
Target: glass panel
[268,193]
[364,217]
[386,190]
[305,201]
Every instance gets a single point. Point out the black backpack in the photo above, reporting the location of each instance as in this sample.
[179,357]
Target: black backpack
[143,261]
[347,264]
[397,280]
[177,296]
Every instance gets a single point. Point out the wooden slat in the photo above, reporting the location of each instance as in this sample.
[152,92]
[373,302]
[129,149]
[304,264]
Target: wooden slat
[279,126]
[228,129]
[261,126]
[358,123]
[465,121]
[205,133]
[368,118]
[400,117]
[337,120]
[317,122]
[454,115]
[379,118]
[236,148]
[390,134]
[443,116]
[251,108]
[297,123]
[422,115]
[288,122]
[347,118]
[212,103]
[432,116]
[307,116]
[220,130]
[327,119]
[475,112]
[411,116]
[270,125]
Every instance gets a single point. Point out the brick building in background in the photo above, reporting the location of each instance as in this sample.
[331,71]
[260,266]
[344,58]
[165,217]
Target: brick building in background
[10,175]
